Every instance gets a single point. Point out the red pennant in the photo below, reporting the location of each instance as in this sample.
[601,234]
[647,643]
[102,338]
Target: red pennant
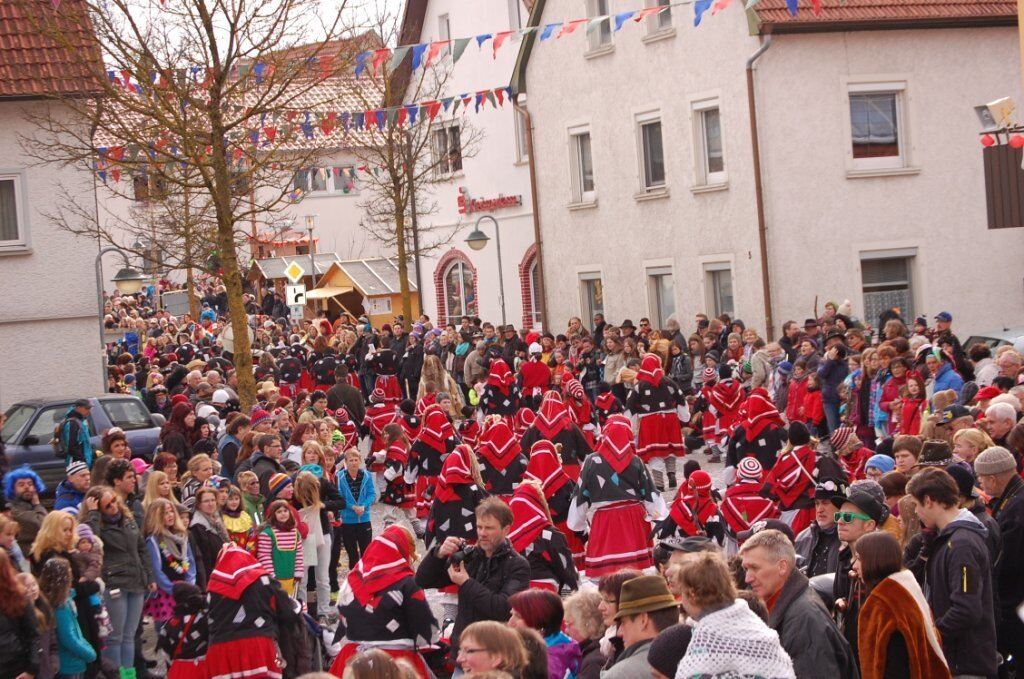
[378,58]
[327,125]
[402,114]
[270,133]
[115,174]
[326,64]
[499,40]
[433,108]
[500,94]
[237,154]
[570,26]
[466,99]
[435,50]
[719,6]
[646,12]
[816,7]
[116,153]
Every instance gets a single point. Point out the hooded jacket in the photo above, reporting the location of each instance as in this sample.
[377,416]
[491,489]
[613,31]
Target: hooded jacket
[67,497]
[959,591]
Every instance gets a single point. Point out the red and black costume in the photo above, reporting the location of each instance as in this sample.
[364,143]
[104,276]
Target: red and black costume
[654,401]
[501,394]
[379,415]
[615,499]
[721,403]
[436,440]
[502,462]
[348,428]
[791,481]
[743,504]
[384,364]
[606,404]
[545,468]
[693,512]
[469,431]
[399,477]
[761,432]
[554,423]
[543,545]
[579,407]
[452,512]
[522,421]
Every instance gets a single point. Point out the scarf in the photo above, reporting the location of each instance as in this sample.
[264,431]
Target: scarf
[212,524]
[553,417]
[545,468]
[759,412]
[235,570]
[385,562]
[529,517]
[456,471]
[500,377]
[616,446]
[436,429]
[498,445]
[725,397]
[650,370]
[174,545]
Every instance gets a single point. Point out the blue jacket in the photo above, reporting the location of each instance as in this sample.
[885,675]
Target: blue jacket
[832,374]
[947,378]
[157,562]
[68,497]
[367,494]
[74,651]
[77,439]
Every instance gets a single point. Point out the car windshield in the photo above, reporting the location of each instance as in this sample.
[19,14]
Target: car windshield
[127,413]
[17,416]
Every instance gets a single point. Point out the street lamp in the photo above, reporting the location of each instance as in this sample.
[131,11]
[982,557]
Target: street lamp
[312,262]
[128,281]
[476,241]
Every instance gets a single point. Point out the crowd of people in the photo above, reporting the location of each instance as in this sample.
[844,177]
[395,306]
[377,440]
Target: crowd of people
[614,501]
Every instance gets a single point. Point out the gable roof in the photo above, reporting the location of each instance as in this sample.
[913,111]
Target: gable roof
[774,17]
[33,65]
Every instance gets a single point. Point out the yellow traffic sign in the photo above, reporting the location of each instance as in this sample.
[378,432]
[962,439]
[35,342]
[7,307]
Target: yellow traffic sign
[294,272]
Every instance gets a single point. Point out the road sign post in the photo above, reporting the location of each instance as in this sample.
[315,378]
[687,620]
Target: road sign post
[295,295]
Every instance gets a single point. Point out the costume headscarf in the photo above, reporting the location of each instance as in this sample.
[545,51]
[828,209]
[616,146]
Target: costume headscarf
[456,471]
[553,416]
[234,571]
[500,377]
[498,445]
[529,517]
[545,468]
[759,412]
[385,562]
[650,370]
[436,429]
[616,446]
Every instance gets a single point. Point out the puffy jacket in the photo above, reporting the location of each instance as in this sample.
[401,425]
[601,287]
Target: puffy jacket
[74,651]
[808,634]
[947,378]
[959,591]
[67,497]
[492,580]
[19,644]
[125,557]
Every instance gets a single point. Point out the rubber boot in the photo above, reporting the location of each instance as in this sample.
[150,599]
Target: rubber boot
[672,480]
[128,673]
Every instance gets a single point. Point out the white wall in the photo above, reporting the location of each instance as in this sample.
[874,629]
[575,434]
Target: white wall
[49,333]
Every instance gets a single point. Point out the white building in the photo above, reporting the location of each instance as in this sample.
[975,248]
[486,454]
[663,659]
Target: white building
[49,325]
[874,181]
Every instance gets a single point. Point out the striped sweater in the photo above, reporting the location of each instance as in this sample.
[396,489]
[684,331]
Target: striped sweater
[286,542]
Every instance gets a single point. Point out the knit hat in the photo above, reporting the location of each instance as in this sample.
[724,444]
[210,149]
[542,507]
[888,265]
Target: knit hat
[179,398]
[378,396]
[84,532]
[882,463]
[785,368]
[841,437]
[700,481]
[220,396]
[994,460]
[964,479]
[749,469]
[277,483]
[709,376]
[986,393]
[644,594]
[799,435]
[935,453]
[76,467]
[258,417]
[668,648]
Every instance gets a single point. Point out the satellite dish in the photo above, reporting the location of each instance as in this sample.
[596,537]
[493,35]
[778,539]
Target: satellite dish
[227,338]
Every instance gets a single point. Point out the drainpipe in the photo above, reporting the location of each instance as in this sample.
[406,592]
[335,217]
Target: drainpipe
[755,148]
[539,293]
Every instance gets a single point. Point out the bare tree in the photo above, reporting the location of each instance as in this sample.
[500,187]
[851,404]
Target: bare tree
[212,101]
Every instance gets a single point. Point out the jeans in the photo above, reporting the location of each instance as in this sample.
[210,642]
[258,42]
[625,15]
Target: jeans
[125,614]
[831,415]
[335,556]
[356,537]
[320,575]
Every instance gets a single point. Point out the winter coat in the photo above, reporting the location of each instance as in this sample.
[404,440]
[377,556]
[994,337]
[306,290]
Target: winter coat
[681,372]
[30,519]
[564,656]
[818,553]
[492,580]
[832,374]
[1008,511]
[959,590]
[761,368]
[125,557]
[947,378]
[632,663]
[67,497]
[808,634]
[367,494]
[19,644]
[592,661]
[75,652]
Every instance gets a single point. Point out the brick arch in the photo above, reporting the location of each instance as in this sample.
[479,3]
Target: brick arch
[451,257]
[526,285]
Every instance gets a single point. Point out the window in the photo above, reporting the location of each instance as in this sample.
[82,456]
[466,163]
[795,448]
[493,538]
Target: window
[460,290]
[534,288]
[710,154]
[662,21]
[522,149]
[876,130]
[447,150]
[444,29]
[592,294]
[1004,186]
[127,414]
[661,295]
[50,417]
[652,154]
[719,288]
[601,35]
[17,417]
[148,187]
[887,283]
[582,167]
[515,19]
[326,180]
[12,227]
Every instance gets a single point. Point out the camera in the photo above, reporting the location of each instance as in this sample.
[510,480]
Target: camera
[464,552]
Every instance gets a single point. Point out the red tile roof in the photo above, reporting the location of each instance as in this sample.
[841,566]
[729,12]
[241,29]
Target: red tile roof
[32,63]
[867,14]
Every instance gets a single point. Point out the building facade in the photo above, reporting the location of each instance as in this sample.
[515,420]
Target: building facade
[874,181]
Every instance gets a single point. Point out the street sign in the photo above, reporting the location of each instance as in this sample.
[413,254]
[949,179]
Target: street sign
[296,312]
[294,272]
[295,295]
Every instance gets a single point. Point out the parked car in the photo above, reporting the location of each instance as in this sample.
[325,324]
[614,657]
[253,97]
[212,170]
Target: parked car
[998,338]
[28,430]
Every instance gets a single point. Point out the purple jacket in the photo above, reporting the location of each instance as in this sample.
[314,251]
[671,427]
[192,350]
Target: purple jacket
[564,656]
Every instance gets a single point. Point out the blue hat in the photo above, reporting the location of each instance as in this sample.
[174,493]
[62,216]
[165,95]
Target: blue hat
[785,368]
[884,463]
[944,316]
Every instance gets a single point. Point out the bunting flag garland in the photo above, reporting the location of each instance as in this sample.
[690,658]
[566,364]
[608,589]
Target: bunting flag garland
[398,56]
[548,29]
[621,18]
[793,6]
[499,40]
[460,47]
[699,7]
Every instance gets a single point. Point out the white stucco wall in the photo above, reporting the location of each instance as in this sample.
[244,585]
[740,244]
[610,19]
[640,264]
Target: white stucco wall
[49,337]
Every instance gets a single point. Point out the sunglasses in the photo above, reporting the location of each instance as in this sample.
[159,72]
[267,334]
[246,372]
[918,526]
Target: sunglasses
[848,517]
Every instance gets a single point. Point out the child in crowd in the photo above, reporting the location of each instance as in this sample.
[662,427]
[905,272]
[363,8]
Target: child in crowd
[913,401]
[796,392]
[356,486]
[279,546]
[8,533]
[399,496]
[74,651]
[237,521]
[813,409]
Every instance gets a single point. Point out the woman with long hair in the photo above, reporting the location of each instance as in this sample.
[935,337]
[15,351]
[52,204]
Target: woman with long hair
[896,634]
[74,650]
[316,546]
[200,469]
[207,533]
[126,571]
[56,537]
[435,373]
[168,464]
[158,486]
[19,631]
[303,432]
[176,434]
[170,556]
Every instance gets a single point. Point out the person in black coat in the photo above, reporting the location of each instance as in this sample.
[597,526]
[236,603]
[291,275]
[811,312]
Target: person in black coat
[207,534]
[412,366]
[19,635]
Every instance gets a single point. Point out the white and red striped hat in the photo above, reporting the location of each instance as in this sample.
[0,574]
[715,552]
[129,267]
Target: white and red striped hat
[749,469]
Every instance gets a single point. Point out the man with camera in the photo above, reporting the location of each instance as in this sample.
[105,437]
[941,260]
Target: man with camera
[487,573]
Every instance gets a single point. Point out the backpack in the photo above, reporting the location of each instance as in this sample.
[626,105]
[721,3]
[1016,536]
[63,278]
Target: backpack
[60,446]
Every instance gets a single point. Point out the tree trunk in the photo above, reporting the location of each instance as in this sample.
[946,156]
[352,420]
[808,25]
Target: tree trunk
[403,268]
[190,277]
[190,287]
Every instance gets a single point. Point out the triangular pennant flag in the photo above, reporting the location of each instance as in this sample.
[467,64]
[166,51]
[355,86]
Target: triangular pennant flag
[392,117]
[397,56]
[648,11]
[361,62]
[435,50]
[793,6]
[466,98]
[378,58]
[270,133]
[412,110]
[481,39]
[345,116]
[719,6]
[546,33]
[459,48]
[446,102]
[478,101]
[417,55]
[434,107]
[258,71]
[816,7]
[701,6]
[621,18]
[569,27]
[751,4]
[455,105]
[115,174]
[508,93]
[379,113]
[595,23]
[499,40]
[490,97]
[500,94]
[403,113]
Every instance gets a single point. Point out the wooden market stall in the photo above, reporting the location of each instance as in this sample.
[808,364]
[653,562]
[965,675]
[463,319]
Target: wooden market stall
[363,286]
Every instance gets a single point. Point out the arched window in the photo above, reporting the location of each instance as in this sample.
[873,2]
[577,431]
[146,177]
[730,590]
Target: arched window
[460,290]
[529,276]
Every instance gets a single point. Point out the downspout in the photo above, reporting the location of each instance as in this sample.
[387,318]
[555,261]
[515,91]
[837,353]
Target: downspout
[755,147]
[541,298]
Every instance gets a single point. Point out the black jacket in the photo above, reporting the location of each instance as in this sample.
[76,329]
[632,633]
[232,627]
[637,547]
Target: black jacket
[1008,511]
[817,552]
[592,661]
[19,644]
[808,634]
[959,590]
[485,595]
[344,394]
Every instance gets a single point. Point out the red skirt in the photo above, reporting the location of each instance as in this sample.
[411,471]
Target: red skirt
[250,658]
[619,538]
[576,546]
[423,499]
[352,648]
[392,390]
[188,669]
[660,436]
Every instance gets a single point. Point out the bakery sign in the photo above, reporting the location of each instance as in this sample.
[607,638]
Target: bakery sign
[468,205]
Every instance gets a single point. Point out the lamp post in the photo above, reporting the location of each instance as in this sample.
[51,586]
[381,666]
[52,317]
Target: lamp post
[477,240]
[312,261]
[128,281]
